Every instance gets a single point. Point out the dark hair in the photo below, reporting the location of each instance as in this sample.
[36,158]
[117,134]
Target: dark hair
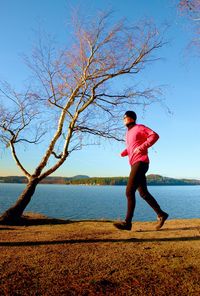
[131,114]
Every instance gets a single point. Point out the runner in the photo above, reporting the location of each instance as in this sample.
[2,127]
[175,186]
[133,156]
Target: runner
[138,139]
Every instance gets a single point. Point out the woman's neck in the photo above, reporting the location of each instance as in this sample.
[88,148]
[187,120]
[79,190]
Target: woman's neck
[130,125]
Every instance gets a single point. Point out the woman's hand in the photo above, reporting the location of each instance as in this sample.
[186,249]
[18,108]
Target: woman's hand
[137,150]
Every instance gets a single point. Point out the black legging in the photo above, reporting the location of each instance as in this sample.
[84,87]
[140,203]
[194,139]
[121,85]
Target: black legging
[137,180]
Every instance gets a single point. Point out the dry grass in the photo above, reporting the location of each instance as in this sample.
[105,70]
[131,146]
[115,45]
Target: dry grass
[93,258]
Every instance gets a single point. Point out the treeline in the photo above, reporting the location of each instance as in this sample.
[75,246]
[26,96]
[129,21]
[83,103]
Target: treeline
[48,180]
[99,181]
[151,180]
[160,180]
[85,180]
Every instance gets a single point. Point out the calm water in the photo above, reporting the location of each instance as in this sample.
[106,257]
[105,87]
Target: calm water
[103,202]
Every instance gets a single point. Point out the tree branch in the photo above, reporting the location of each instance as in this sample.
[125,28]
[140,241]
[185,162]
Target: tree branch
[18,162]
[96,132]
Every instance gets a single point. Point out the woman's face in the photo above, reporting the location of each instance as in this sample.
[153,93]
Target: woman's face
[128,120]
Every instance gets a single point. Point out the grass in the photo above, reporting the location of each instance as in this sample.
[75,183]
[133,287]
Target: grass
[55,257]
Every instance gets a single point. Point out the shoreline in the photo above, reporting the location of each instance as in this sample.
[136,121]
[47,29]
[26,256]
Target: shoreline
[107,185]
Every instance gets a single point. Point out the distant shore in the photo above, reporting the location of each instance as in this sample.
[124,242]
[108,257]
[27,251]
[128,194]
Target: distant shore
[152,179]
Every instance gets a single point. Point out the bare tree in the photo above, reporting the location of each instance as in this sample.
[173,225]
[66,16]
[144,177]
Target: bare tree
[191,9]
[75,94]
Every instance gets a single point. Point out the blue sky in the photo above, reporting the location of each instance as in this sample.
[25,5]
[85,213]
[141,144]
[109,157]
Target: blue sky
[176,154]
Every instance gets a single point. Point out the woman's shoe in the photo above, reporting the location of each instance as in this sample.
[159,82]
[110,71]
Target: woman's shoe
[123,225]
[161,220]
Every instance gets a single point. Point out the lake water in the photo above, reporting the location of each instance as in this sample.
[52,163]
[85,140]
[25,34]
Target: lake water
[103,202]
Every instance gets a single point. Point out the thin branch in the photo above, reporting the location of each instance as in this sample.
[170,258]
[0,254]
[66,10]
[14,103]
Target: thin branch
[18,161]
[100,133]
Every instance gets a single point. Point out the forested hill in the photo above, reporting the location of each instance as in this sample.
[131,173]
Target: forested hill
[151,179]
[48,180]
[85,180]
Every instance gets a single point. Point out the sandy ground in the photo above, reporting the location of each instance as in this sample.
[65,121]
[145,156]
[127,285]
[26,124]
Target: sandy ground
[94,258]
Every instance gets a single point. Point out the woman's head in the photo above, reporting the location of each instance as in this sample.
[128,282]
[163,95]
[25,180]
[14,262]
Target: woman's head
[129,118]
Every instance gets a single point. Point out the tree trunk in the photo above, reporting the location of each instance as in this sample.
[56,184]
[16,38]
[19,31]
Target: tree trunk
[14,213]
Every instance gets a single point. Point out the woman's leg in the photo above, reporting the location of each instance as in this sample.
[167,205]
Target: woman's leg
[144,193]
[133,182]
[135,177]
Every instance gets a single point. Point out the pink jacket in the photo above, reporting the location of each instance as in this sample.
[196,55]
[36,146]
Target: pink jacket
[142,137]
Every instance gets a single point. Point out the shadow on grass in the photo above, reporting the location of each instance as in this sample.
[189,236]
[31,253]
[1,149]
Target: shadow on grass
[38,220]
[93,241]
[172,229]
[27,221]
[7,228]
